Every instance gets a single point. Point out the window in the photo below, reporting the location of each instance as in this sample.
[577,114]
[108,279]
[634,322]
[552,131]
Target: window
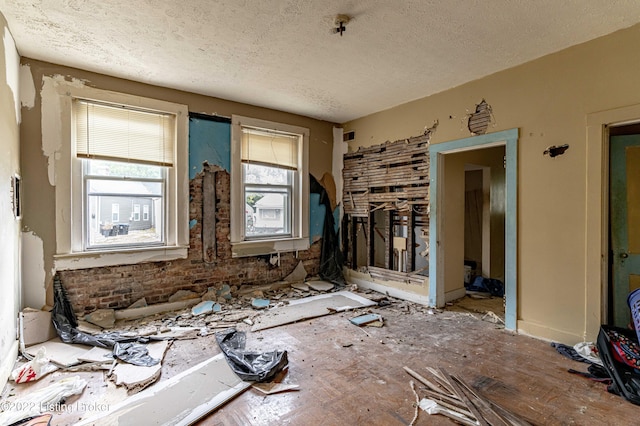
[115,212]
[136,212]
[118,153]
[270,183]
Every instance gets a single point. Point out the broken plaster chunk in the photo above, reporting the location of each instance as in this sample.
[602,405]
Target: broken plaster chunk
[300,286]
[298,274]
[210,294]
[320,285]
[257,303]
[105,318]
[140,303]
[202,308]
[183,295]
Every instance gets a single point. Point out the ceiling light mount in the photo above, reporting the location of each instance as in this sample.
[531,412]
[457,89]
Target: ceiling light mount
[341,21]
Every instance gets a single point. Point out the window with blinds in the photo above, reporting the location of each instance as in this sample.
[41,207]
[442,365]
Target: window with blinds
[125,154]
[269,187]
[112,132]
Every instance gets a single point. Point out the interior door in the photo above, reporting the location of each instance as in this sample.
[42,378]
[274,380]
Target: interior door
[625,223]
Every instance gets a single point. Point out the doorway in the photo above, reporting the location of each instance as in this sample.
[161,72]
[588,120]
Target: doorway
[624,220]
[447,239]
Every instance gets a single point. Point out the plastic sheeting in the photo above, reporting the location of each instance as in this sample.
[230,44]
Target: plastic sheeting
[331,259]
[65,322]
[249,366]
[134,353]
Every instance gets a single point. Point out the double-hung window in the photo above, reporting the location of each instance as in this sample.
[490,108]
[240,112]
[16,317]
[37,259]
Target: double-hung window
[121,177]
[270,186]
[125,154]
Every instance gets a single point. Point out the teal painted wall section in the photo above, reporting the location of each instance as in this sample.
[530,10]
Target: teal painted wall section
[208,141]
[316,217]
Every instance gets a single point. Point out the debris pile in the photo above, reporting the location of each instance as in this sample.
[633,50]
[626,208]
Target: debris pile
[448,395]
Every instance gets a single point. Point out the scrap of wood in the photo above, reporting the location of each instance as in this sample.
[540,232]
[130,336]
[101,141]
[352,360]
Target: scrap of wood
[483,405]
[146,311]
[463,397]
[271,388]
[422,380]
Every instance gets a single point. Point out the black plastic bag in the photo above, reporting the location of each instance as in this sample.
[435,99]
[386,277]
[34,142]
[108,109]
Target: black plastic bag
[249,366]
[134,353]
[65,322]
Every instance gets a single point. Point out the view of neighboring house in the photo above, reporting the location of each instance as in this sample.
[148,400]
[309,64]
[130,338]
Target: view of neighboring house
[270,214]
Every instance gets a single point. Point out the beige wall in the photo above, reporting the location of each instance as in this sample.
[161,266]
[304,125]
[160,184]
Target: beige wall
[549,100]
[9,225]
[39,197]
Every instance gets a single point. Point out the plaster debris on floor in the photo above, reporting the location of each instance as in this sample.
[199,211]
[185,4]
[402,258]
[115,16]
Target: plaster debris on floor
[139,389]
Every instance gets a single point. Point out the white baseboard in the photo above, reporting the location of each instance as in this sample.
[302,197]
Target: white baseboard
[458,293]
[391,291]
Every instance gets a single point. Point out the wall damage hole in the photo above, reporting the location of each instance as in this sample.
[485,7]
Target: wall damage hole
[479,120]
[15,196]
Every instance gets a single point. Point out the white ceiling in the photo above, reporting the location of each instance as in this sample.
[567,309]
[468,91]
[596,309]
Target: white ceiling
[282,54]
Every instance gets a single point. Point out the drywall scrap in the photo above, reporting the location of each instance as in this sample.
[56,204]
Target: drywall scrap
[35,326]
[310,307]
[62,354]
[180,400]
[135,377]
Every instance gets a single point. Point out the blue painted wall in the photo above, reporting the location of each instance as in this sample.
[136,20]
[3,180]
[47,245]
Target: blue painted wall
[210,141]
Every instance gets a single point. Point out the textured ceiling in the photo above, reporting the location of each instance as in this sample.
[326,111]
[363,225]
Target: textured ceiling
[282,54]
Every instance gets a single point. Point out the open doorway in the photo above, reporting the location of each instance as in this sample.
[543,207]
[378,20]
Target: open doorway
[446,269]
[624,220]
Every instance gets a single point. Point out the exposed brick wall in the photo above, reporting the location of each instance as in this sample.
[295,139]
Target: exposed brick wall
[119,286]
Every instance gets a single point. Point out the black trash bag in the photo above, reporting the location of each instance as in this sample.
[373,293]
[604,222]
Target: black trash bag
[134,353]
[65,322]
[249,366]
[331,259]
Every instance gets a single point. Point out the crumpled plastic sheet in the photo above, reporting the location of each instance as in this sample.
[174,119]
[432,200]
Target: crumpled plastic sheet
[249,366]
[331,257]
[65,322]
[42,400]
[134,353]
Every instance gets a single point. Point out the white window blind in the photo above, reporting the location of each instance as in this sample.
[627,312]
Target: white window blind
[270,148]
[110,132]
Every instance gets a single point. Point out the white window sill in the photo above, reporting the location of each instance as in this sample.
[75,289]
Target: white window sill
[257,248]
[97,259]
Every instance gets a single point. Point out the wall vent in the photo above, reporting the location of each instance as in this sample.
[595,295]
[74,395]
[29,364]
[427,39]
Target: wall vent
[349,136]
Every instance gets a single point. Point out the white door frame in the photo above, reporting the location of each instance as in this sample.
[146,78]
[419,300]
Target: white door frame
[509,139]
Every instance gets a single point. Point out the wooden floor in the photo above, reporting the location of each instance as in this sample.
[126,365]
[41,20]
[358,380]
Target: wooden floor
[351,375]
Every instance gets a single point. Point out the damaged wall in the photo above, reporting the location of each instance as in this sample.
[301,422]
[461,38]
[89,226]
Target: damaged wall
[549,100]
[118,286]
[9,223]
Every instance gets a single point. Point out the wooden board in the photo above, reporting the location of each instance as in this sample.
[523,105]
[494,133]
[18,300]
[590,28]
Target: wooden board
[310,307]
[180,400]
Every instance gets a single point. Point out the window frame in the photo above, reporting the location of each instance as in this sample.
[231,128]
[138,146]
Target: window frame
[298,239]
[65,173]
